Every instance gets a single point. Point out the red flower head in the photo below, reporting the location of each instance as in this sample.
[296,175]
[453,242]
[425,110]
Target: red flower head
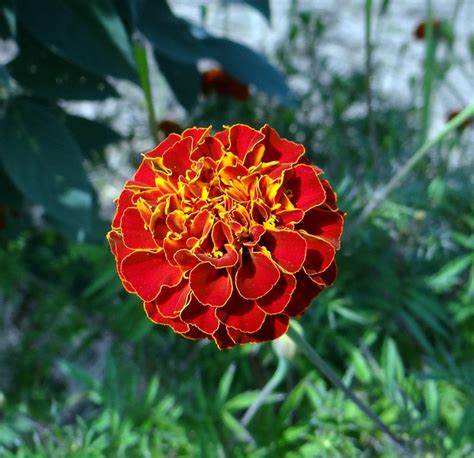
[216,80]
[420,30]
[226,236]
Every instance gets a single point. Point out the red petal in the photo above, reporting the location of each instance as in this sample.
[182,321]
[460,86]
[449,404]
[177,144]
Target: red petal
[185,259]
[145,174]
[120,251]
[302,185]
[272,328]
[154,315]
[229,259]
[222,339]
[306,290]
[210,147]
[201,224]
[288,248]
[243,139]
[177,158]
[221,234]
[256,275]
[319,255]
[331,197]
[241,314]
[288,217]
[148,273]
[211,286]
[201,316]
[325,224]
[136,234]
[160,149]
[172,300]
[197,134]
[328,277]
[194,333]
[223,137]
[124,201]
[279,149]
[171,246]
[278,298]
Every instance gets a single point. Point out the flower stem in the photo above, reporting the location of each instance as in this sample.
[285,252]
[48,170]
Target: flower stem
[368,79]
[328,372]
[144,75]
[275,380]
[380,195]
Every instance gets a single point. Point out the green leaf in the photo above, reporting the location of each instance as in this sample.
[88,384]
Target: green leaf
[471,44]
[416,332]
[48,76]
[224,385]
[92,136]
[89,34]
[79,375]
[9,195]
[361,367]
[183,78]
[449,275]
[246,399]
[391,363]
[235,426]
[248,67]
[45,164]
[431,397]
[428,310]
[7,23]
[4,76]
[261,5]
[170,36]
[466,424]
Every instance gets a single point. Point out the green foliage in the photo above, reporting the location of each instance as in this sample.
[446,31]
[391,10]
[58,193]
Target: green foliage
[68,50]
[83,372]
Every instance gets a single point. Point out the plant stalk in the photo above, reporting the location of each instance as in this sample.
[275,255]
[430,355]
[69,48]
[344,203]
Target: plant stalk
[141,59]
[380,194]
[329,373]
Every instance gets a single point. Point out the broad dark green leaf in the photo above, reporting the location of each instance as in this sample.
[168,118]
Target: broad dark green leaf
[45,164]
[9,195]
[261,5]
[171,36]
[7,23]
[89,34]
[183,78]
[248,67]
[48,76]
[4,76]
[92,136]
[130,10]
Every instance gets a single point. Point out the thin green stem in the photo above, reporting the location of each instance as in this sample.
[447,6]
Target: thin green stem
[328,372]
[275,380]
[380,195]
[429,71]
[141,59]
[368,76]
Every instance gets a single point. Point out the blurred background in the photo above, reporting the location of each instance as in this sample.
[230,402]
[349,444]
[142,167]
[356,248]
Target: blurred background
[87,87]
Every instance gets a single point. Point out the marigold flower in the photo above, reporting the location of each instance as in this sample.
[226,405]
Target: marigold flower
[216,80]
[226,236]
